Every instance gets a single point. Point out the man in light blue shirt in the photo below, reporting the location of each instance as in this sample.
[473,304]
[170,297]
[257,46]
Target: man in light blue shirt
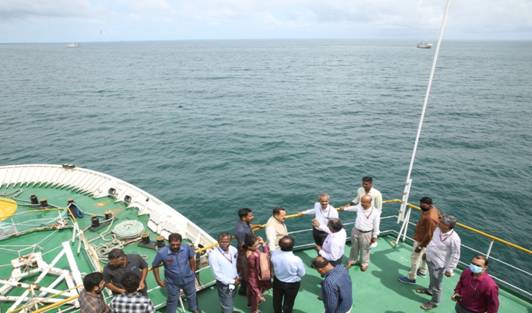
[222,260]
[288,271]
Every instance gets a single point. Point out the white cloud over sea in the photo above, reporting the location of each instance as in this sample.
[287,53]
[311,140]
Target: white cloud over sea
[98,20]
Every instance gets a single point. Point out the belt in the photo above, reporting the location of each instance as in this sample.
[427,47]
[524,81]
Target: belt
[364,231]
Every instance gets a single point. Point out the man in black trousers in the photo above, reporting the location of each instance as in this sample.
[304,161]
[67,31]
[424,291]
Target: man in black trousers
[289,270]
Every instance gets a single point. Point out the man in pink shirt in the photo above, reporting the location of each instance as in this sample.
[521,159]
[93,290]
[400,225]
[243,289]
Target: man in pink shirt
[476,292]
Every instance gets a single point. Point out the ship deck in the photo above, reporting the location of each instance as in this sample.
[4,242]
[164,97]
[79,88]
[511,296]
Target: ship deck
[376,290]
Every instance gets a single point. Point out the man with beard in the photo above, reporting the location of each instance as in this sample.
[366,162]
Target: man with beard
[427,223]
[91,299]
[179,267]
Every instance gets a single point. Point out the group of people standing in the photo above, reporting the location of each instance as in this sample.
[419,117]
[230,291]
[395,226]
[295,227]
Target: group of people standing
[256,265]
[261,265]
[125,275]
[436,250]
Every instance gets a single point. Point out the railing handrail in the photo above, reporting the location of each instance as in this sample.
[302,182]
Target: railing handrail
[472,229]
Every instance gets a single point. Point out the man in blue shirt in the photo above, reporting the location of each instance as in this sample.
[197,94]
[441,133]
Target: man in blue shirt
[336,288]
[243,226]
[179,267]
[222,260]
[289,270]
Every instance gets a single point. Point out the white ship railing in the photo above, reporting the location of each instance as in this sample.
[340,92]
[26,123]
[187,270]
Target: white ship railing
[163,219]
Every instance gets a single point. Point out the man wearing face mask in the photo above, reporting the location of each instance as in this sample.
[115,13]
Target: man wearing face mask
[443,254]
[120,264]
[91,299]
[179,267]
[476,291]
[427,223]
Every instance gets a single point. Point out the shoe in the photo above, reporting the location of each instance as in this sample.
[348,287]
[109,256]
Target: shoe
[350,263]
[406,280]
[424,291]
[428,305]
[364,267]
[421,274]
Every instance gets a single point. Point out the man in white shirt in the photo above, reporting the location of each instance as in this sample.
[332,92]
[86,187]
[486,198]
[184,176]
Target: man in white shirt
[443,254]
[334,245]
[276,228]
[365,231]
[323,212]
[222,260]
[289,270]
[367,189]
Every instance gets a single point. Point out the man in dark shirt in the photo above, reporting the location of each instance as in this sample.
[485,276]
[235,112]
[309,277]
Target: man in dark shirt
[119,264]
[242,228]
[336,287]
[91,299]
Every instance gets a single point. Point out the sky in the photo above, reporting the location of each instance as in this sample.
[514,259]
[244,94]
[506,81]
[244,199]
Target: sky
[138,20]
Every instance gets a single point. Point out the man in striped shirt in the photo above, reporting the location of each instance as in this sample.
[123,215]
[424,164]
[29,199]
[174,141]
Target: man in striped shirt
[336,287]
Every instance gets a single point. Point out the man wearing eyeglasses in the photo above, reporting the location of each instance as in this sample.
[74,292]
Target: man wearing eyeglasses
[323,212]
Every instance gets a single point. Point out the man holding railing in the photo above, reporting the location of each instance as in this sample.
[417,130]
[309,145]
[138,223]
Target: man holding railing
[323,212]
[365,231]
[276,228]
[368,189]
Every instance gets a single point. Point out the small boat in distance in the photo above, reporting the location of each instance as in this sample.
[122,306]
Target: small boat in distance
[73,45]
[424,45]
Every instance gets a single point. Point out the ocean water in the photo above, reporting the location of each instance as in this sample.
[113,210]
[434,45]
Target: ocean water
[212,126]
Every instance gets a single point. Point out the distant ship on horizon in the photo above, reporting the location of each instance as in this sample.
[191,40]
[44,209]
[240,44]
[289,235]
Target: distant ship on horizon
[424,45]
[72,45]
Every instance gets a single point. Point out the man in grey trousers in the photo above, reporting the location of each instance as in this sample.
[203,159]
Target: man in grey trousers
[443,254]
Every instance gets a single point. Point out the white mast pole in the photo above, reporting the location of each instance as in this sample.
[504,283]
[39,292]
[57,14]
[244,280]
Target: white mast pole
[404,217]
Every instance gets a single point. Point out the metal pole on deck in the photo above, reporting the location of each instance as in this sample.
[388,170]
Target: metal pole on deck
[402,217]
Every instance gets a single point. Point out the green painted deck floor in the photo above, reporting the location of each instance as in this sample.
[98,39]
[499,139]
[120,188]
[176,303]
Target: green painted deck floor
[374,291]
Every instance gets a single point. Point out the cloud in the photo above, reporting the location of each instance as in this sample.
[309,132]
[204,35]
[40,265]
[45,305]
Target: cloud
[22,9]
[174,19]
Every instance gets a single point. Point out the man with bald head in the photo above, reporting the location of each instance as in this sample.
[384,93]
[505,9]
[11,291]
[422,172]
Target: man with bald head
[323,212]
[365,231]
